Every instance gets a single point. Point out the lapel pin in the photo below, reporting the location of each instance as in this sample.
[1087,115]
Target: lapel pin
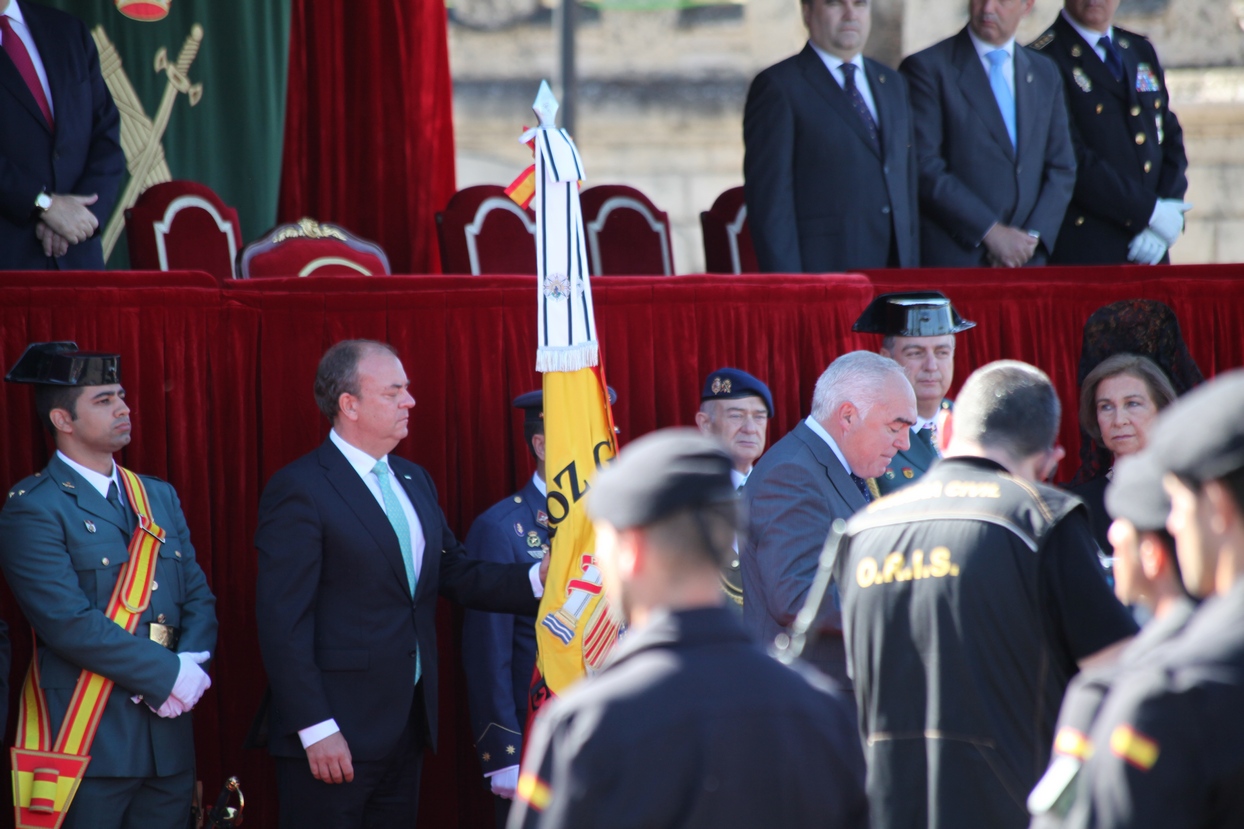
[67,485]
[1029,77]
[90,526]
[881,78]
[407,477]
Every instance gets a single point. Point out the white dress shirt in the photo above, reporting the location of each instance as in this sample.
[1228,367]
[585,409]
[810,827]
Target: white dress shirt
[100,482]
[825,436]
[1008,68]
[834,65]
[18,23]
[739,478]
[1091,36]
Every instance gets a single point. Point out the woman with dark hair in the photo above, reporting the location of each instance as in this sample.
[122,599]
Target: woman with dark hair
[1119,401]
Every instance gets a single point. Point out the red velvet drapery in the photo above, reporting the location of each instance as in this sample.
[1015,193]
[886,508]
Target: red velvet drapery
[220,381]
[368,123]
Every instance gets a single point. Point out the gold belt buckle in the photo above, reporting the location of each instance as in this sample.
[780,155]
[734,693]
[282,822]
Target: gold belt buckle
[165,635]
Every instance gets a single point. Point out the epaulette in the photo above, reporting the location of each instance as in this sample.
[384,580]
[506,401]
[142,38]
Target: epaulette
[26,485]
[1043,41]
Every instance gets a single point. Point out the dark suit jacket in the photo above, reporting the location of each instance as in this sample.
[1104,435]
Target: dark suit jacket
[819,197]
[82,157]
[791,498]
[1125,162]
[338,627]
[970,175]
[62,547]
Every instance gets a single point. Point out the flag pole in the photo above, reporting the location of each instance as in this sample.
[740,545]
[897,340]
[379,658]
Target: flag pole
[568,12]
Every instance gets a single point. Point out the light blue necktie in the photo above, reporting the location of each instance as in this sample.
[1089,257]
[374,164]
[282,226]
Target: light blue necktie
[1002,92]
[397,517]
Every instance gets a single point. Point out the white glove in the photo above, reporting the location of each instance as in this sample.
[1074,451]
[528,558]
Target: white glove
[191,680]
[505,782]
[172,707]
[1168,219]
[1146,249]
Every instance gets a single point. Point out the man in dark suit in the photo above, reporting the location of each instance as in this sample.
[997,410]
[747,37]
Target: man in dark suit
[60,152]
[829,170]
[918,331]
[690,724]
[863,409]
[1130,162]
[996,163]
[66,538]
[353,552]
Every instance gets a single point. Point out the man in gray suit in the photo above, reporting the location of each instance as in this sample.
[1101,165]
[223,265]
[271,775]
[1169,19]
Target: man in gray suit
[997,166]
[829,169]
[863,409]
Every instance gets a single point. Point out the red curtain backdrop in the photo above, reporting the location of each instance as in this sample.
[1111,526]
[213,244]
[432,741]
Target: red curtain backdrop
[220,382]
[368,123]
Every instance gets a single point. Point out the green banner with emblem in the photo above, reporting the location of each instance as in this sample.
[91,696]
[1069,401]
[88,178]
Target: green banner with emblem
[201,93]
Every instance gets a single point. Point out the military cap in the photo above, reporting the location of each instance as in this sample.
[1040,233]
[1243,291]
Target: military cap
[1136,494]
[660,474]
[62,364]
[733,384]
[532,404]
[1200,437]
[911,314]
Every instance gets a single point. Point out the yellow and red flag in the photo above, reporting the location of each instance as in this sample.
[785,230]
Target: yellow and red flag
[575,629]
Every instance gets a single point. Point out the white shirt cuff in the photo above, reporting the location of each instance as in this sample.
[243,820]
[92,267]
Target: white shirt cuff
[489,774]
[533,574]
[314,733]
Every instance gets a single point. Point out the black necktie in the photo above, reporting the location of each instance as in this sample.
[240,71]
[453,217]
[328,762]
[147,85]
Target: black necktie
[114,498]
[858,104]
[862,486]
[925,436]
[1114,61]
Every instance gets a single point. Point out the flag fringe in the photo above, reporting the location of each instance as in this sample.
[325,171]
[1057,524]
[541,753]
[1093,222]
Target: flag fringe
[567,358]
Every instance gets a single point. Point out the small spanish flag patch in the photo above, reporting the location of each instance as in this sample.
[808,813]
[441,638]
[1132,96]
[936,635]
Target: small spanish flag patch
[1072,743]
[534,791]
[1129,744]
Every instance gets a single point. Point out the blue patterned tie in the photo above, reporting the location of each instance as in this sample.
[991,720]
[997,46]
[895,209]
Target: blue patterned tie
[858,104]
[862,486]
[397,517]
[1114,61]
[1002,92]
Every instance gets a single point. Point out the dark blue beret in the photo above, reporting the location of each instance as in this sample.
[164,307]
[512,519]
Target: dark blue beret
[732,384]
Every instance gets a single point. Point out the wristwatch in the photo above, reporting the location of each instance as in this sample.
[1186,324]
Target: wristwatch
[43,202]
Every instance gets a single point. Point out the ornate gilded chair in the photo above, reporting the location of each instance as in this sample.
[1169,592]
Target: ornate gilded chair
[309,247]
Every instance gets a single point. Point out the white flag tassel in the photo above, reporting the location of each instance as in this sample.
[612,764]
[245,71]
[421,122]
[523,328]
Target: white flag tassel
[567,330]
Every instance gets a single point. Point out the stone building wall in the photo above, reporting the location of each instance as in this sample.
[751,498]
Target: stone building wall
[661,97]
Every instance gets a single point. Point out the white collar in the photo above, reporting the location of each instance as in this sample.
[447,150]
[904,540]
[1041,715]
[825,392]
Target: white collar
[983,48]
[100,482]
[540,484]
[825,436]
[739,478]
[835,62]
[1090,36]
[14,13]
[921,423]
[362,462]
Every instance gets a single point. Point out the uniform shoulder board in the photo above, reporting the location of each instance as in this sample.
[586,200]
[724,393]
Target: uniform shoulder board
[26,485]
[1043,41]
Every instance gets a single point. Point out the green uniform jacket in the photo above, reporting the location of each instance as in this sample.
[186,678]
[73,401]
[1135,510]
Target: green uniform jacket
[61,547]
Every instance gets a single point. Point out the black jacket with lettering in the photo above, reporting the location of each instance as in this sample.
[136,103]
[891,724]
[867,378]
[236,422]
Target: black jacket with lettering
[967,599]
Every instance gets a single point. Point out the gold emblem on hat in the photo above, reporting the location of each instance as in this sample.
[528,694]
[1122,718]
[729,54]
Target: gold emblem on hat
[716,385]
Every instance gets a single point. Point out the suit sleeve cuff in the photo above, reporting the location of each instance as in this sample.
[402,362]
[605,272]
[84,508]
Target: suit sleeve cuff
[314,733]
[537,589]
[490,774]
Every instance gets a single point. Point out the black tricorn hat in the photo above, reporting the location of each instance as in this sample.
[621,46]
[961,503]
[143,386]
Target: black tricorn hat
[911,314]
[62,364]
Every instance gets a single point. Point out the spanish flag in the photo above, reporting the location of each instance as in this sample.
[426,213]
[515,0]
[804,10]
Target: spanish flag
[575,629]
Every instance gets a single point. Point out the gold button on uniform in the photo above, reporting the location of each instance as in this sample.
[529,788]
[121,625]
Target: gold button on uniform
[1079,220]
[1140,138]
[155,585]
[104,562]
[1099,109]
[1148,166]
[177,553]
[1135,111]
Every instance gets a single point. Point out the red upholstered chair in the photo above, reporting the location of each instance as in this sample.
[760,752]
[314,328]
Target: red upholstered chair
[482,231]
[626,234]
[183,225]
[309,247]
[727,237]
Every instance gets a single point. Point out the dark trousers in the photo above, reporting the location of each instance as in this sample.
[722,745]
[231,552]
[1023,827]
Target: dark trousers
[132,803]
[383,795]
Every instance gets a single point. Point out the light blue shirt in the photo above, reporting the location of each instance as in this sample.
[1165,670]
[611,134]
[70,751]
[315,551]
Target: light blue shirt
[1008,68]
[1091,36]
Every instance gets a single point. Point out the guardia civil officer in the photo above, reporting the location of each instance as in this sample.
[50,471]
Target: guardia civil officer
[969,599]
[1168,745]
[735,408]
[1130,162]
[918,331]
[691,724]
[67,534]
[1147,577]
